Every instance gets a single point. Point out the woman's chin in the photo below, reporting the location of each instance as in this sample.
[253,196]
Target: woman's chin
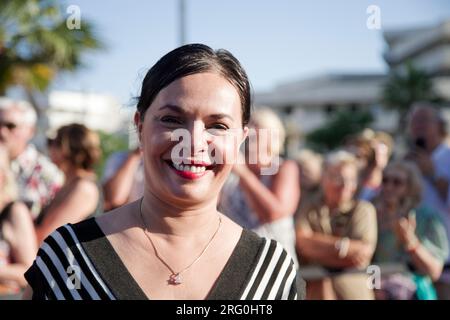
[190,193]
[189,199]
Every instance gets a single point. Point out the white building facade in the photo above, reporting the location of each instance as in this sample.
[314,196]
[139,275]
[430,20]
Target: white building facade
[306,104]
[96,111]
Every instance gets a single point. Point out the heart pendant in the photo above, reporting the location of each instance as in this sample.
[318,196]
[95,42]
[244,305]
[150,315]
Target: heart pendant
[174,279]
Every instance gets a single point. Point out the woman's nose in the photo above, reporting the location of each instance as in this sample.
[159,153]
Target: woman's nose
[199,138]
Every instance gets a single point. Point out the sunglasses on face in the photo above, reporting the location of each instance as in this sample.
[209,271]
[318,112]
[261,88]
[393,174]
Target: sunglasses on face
[397,182]
[9,125]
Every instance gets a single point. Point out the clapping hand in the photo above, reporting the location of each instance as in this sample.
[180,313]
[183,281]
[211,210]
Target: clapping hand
[405,230]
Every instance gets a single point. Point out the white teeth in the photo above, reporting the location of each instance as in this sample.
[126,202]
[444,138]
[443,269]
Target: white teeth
[178,166]
[194,169]
[200,169]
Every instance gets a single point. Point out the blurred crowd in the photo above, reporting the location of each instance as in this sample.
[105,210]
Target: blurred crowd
[369,203]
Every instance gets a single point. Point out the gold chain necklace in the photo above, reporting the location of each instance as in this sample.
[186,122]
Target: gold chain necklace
[175,277]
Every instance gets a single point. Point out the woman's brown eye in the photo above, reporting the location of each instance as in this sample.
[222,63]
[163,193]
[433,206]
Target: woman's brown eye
[217,129]
[220,126]
[171,120]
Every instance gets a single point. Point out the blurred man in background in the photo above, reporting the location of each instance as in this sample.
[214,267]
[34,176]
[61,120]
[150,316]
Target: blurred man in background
[37,177]
[338,232]
[427,131]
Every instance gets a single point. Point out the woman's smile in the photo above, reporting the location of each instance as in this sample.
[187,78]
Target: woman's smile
[189,170]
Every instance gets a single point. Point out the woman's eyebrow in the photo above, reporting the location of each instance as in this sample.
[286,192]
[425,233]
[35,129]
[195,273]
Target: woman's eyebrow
[178,109]
[218,116]
[172,107]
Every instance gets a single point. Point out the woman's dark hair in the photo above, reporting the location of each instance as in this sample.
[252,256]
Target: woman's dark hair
[191,59]
[79,145]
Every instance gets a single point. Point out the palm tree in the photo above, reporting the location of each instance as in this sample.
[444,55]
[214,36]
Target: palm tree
[339,126]
[403,89]
[36,44]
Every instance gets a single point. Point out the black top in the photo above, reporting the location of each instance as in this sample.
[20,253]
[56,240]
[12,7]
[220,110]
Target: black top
[78,262]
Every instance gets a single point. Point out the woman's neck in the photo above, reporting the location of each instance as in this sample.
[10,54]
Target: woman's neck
[162,217]
[390,208]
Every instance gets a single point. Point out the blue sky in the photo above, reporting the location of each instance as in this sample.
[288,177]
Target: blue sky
[276,40]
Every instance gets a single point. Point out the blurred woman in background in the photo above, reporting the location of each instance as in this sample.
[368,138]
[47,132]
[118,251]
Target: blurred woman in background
[75,150]
[17,238]
[263,192]
[408,234]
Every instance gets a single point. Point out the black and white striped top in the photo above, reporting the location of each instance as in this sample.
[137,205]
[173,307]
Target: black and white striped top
[78,262]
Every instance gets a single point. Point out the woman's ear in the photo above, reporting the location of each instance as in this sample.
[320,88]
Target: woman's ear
[138,125]
[245,131]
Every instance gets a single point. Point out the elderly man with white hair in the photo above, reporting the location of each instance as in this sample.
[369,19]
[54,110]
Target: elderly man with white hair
[37,177]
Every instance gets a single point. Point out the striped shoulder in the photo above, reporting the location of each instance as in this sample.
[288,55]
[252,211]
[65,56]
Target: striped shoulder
[274,276]
[63,271]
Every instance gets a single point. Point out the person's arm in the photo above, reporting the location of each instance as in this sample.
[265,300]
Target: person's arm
[76,206]
[278,201]
[322,249]
[117,188]
[424,261]
[19,232]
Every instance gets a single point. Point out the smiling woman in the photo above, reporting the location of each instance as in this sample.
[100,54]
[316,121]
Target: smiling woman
[173,243]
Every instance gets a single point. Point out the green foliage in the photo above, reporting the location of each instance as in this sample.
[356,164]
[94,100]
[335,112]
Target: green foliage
[402,90]
[341,125]
[109,144]
[35,43]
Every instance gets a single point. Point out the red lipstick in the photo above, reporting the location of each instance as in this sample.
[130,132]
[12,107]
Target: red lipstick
[187,174]
[190,175]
